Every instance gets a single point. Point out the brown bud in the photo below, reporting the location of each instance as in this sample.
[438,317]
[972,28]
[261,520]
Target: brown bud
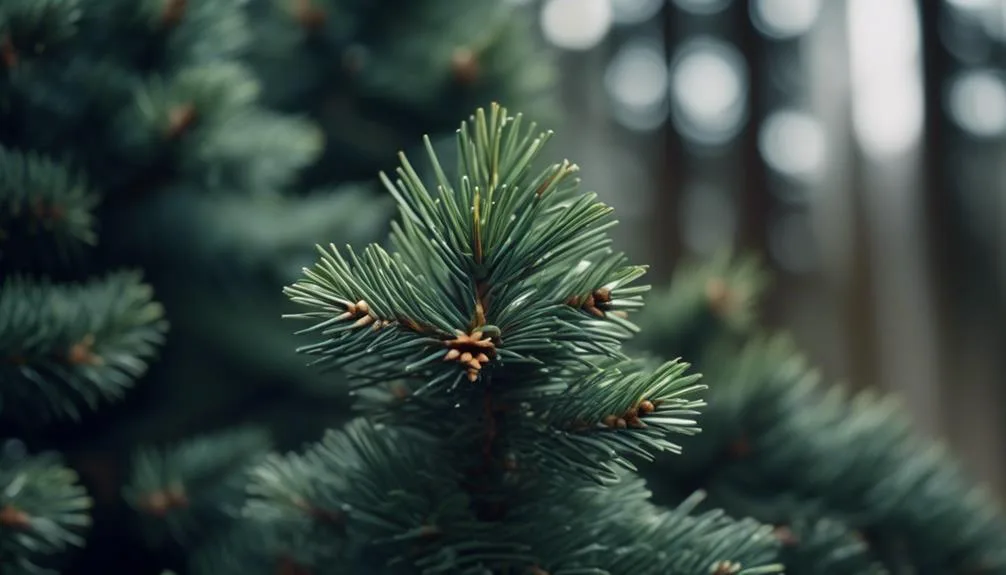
[740,448]
[466,357]
[180,119]
[573,301]
[309,16]
[474,364]
[589,302]
[646,407]
[429,531]
[603,295]
[8,53]
[14,518]
[473,376]
[594,311]
[452,354]
[157,503]
[362,307]
[635,422]
[82,352]
[785,535]
[364,321]
[483,358]
[718,295]
[726,568]
[465,66]
[174,11]
[620,423]
[610,420]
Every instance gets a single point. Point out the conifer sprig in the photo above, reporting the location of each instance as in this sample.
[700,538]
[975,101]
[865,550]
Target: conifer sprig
[64,347]
[498,320]
[43,511]
[43,206]
[500,264]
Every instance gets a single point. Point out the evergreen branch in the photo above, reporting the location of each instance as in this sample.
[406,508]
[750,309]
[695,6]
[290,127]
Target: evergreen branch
[44,208]
[617,530]
[896,483]
[371,491]
[193,487]
[43,512]
[618,411]
[184,33]
[66,345]
[512,273]
[205,119]
[27,24]
[826,546]
[476,271]
[266,239]
[705,304]
[786,449]
[377,86]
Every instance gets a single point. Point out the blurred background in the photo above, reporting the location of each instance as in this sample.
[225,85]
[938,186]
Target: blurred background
[859,146]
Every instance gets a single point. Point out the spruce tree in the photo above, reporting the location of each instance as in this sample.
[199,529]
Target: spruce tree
[108,108]
[146,166]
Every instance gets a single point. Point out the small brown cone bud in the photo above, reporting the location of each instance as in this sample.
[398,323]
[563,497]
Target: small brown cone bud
[726,568]
[157,503]
[466,357]
[473,376]
[82,352]
[483,358]
[475,365]
[719,297]
[610,420]
[646,407]
[452,354]
[635,423]
[364,321]
[8,54]
[180,119]
[740,448]
[785,535]
[603,295]
[620,423]
[14,518]
[174,11]
[594,311]
[465,66]
[309,16]
[362,307]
